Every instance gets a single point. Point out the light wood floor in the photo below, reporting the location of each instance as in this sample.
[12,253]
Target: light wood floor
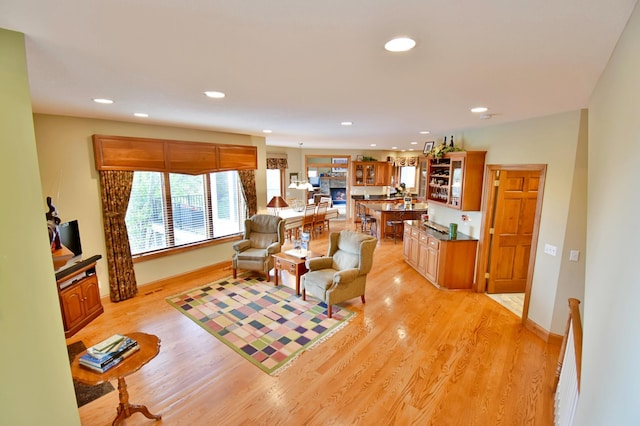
[414,355]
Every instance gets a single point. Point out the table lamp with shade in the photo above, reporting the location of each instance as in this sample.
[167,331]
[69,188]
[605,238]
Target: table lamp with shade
[277,203]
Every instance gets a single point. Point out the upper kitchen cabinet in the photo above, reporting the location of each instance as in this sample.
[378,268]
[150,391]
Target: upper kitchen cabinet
[370,173]
[455,180]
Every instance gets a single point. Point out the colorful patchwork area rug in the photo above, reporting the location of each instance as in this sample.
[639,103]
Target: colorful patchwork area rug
[268,325]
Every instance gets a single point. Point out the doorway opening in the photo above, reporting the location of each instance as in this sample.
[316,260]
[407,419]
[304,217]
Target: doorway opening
[511,219]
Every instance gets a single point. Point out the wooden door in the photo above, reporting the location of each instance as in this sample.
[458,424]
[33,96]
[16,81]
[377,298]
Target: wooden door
[514,219]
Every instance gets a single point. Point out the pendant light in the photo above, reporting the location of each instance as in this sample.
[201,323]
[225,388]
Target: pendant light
[301,184]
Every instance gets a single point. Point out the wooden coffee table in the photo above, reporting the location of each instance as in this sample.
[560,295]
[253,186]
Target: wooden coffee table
[149,348]
[293,264]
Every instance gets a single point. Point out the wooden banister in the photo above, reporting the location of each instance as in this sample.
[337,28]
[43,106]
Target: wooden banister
[574,317]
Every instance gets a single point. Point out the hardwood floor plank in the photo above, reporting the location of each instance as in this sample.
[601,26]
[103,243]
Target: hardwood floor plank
[412,355]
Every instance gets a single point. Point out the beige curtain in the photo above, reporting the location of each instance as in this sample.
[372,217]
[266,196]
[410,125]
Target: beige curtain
[248,179]
[116,189]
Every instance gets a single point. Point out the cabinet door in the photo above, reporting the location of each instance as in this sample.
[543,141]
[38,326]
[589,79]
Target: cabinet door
[415,251]
[422,179]
[457,176]
[73,311]
[370,174]
[433,256]
[358,174]
[91,293]
[382,174]
[423,253]
[406,244]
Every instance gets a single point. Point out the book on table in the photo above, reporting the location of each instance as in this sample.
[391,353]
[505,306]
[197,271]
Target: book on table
[108,353]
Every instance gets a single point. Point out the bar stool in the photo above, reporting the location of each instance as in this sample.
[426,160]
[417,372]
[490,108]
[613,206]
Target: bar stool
[364,217]
[396,223]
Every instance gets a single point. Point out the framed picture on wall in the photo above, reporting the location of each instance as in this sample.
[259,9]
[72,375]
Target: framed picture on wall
[293,178]
[428,146]
[359,157]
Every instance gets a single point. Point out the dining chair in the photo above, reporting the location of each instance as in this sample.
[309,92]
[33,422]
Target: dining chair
[320,222]
[308,219]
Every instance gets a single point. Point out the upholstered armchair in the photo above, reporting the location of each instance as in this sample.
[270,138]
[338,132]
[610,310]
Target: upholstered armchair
[263,236]
[342,274]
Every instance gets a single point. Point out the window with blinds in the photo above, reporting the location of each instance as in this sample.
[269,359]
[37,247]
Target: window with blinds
[171,210]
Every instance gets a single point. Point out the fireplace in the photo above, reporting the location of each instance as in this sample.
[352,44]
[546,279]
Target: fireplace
[338,195]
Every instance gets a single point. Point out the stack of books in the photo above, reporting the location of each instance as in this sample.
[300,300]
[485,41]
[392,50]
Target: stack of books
[108,353]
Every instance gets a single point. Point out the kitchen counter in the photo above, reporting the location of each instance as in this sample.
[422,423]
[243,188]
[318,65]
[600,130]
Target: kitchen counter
[442,236]
[394,207]
[378,198]
[446,263]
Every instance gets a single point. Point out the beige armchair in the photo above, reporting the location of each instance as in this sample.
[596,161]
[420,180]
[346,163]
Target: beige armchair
[263,236]
[342,274]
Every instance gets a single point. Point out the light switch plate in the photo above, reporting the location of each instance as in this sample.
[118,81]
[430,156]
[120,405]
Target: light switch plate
[574,255]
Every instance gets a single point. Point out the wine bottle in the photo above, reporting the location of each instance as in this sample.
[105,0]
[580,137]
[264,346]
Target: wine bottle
[451,143]
[445,141]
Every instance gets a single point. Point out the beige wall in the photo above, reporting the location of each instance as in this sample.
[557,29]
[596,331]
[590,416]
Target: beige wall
[551,140]
[36,384]
[610,392]
[68,175]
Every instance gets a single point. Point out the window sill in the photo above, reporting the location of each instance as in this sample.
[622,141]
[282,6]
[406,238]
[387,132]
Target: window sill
[181,249]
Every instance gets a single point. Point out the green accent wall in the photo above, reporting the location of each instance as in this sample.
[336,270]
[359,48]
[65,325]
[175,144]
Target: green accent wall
[37,388]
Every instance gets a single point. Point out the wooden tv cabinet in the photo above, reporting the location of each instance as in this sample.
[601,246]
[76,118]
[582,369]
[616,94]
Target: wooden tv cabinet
[79,295]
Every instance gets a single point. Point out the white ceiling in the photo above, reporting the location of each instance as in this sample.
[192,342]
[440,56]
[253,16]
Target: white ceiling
[300,67]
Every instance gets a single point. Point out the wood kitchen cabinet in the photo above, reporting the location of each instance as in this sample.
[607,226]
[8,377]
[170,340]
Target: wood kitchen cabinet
[455,180]
[370,173]
[445,262]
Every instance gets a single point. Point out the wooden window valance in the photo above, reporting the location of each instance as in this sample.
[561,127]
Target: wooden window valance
[159,155]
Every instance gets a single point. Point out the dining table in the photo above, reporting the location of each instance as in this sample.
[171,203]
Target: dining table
[293,217]
[384,212]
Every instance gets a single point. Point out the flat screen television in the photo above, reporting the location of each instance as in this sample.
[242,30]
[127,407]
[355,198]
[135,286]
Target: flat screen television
[70,237]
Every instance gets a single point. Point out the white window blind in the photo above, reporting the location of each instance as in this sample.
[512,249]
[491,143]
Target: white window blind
[273,183]
[169,210]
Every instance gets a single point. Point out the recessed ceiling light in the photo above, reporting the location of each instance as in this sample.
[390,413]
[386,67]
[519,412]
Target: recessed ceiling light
[478,110]
[425,132]
[414,143]
[373,144]
[102,101]
[394,147]
[400,44]
[141,114]
[347,123]
[214,94]
[267,131]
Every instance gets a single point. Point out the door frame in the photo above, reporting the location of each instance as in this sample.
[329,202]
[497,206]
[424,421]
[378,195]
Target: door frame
[488,214]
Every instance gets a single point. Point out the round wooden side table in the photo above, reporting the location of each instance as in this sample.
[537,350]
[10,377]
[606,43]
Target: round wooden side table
[149,348]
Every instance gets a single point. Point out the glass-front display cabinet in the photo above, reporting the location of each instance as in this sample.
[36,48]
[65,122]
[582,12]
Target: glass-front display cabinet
[455,180]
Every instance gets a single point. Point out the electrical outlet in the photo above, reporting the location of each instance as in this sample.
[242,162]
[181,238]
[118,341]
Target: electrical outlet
[550,250]
[574,255]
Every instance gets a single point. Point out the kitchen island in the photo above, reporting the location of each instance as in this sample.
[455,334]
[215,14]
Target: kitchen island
[384,212]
